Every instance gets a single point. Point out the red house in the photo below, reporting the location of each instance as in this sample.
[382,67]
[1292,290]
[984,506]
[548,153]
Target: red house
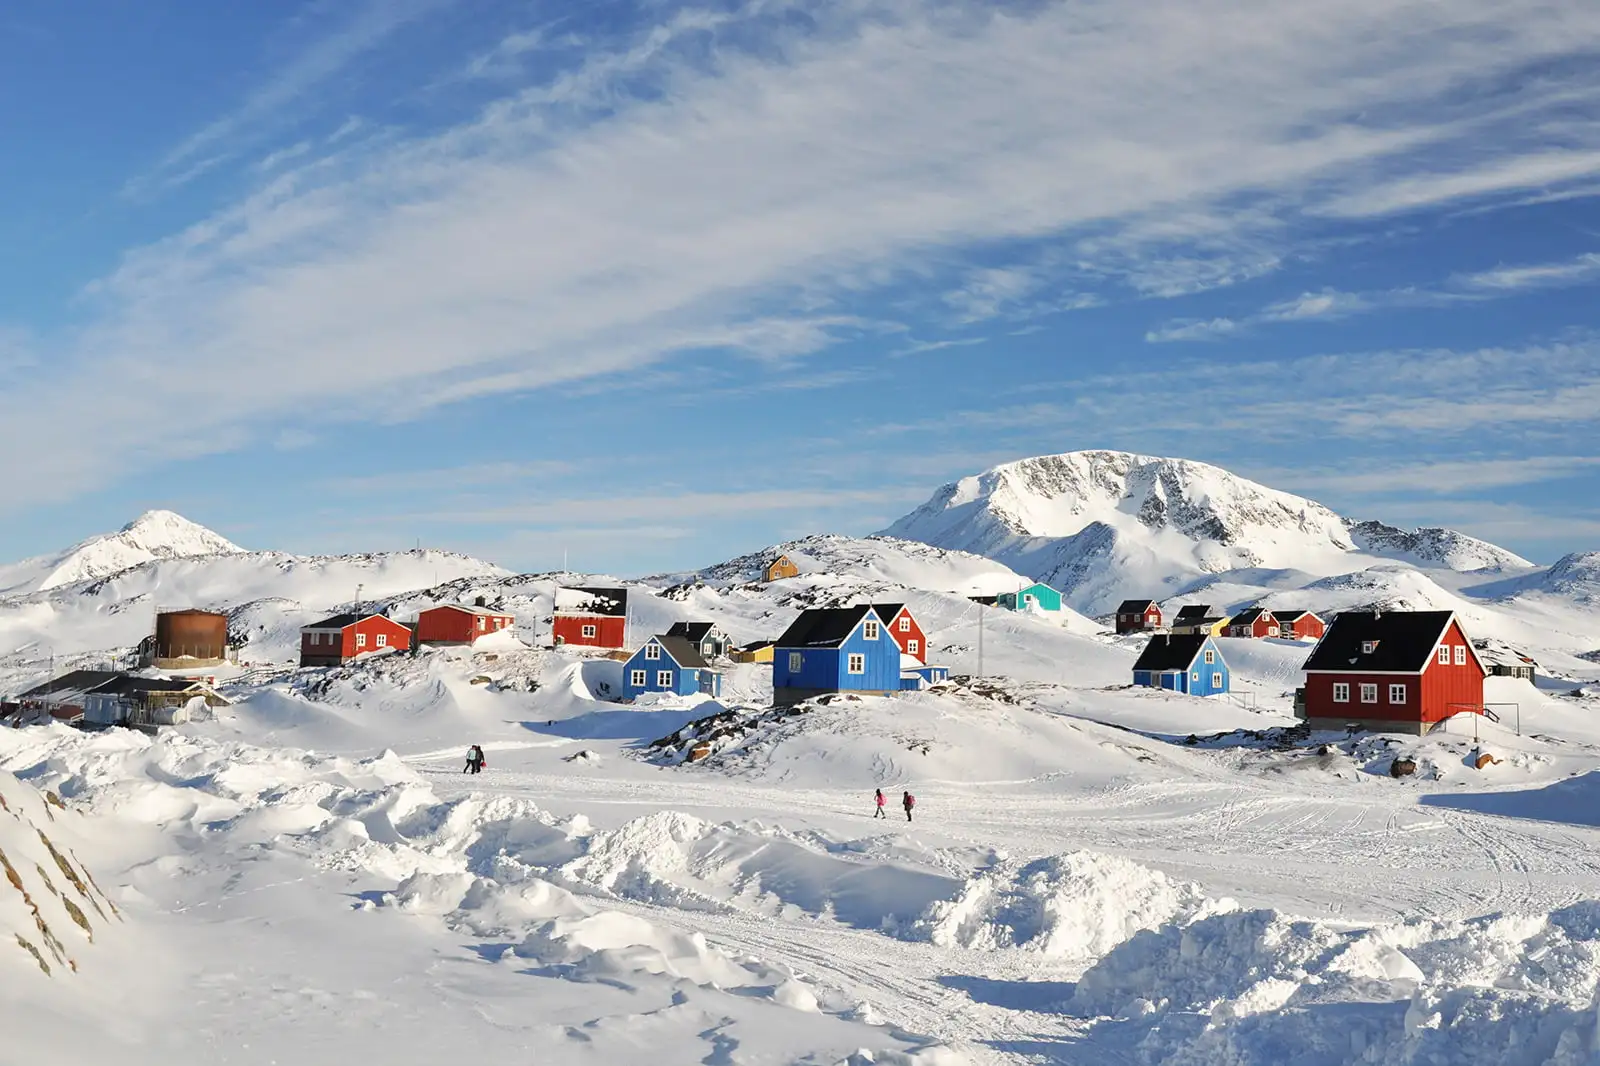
[904,629]
[1392,671]
[1253,622]
[341,638]
[1138,616]
[1299,625]
[453,623]
[591,617]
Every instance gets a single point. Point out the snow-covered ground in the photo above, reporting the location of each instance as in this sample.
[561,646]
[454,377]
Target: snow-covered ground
[1095,874]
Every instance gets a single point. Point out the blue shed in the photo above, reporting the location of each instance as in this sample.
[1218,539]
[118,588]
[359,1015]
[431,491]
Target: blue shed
[834,649]
[1037,596]
[669,664]
[1182,662]
[920,677]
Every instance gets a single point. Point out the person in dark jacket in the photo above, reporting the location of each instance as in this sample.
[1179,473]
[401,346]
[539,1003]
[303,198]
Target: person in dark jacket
[475,761]
[908,801]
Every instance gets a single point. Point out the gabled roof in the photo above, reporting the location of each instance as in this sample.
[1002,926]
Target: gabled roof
[694,632]
[757,645]
[473,610]
[1171,652]
[72,681]
[580,599]
[824,627]
[1249,616]
[683,653]
[346,620]
[1195,612]
[1405,641]
[888,612]
[1135,606]
[1294,615]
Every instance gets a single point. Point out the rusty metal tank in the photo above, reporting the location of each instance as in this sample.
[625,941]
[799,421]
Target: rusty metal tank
[191,635]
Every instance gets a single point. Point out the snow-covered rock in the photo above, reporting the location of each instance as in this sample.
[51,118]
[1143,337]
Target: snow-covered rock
[1434,546]
[153,535]
[1575,577]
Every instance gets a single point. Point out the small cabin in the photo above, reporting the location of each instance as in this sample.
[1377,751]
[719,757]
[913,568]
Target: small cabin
[1294,624]
[590,617]
[1257,622]
[834,649]
[778,569]
[757,651]
[706,637]
[455,623]
[1190,663]
[669,664]
[337,640]
[1035,597]
[1138,616]
[1201,618]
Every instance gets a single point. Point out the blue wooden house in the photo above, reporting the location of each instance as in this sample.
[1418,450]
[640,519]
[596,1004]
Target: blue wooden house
[1182,662]
[917,676]
[834,649]
[669,664]
[1035,597]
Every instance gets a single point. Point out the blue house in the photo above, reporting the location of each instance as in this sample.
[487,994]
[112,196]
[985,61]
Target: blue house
[914,677]
[1182,662]
[834,649]
[669,664]
[1036,597]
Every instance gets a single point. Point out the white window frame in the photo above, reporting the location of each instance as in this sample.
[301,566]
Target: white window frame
[1397,694]
[638,678]
[1369,692]
[1341,692]
[905,625]
[1211,657]
[1368,647]
[869,630]
[1195,677]
[913,646]
[855,663]
[381,640]
[591,631]
[1461,655]
[361,640]
[1216,680]
[663,678]
[1444,655]
[797,662]
[652,651]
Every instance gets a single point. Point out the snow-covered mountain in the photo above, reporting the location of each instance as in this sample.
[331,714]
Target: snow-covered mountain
[153,535]
[1105,525]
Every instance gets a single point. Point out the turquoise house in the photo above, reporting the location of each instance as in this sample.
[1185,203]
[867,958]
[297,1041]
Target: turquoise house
[1035,597]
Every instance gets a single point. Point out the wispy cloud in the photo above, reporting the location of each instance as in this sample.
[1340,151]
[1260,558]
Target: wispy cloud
[1432,478]
[657,200]
[1194,330]
[1582,269]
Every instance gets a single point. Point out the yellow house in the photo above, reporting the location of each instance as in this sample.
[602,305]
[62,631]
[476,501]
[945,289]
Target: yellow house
[759,651]
[779,568]
[1200,618]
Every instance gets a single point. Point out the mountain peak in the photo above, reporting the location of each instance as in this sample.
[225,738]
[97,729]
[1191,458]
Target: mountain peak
[155,534]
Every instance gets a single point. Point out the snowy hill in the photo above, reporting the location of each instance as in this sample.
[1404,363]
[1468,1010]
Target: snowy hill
[153,536]
[1104,525]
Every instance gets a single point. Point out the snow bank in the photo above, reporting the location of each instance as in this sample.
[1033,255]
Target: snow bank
[1257,988]
[1073,906]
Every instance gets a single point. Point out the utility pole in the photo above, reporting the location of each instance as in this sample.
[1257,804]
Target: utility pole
[980,639]
[358,599]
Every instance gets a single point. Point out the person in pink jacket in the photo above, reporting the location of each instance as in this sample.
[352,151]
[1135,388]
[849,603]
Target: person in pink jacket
[880,813]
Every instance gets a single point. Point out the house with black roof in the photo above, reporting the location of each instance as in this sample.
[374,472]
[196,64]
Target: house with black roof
[1297,624]
[1253,622]
[343,637]
[1199,618]
[835,649]
[667,663]
[146,702]
[1138,616]
[707,638]
[1190,663]
[1391,671]
[591,617]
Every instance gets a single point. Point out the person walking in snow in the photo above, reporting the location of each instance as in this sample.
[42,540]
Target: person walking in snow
[908,801]
[474,760]
[880,813]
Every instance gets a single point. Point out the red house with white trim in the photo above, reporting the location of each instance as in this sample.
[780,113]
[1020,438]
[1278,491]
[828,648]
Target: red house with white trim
[905,630]
[1138,616]
[1391,671]
[1255,622]
[591,617]
[454,623]
[1299,625]
[337,640]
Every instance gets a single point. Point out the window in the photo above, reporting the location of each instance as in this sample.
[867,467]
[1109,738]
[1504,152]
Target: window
[663,678]
[1341,692]
[316,638]
[1272,631]
[1444,654]
[870,631]
[652,651]
[361,640]
[589,631]
[857,663]
[1211,656]
[1397,694]
[1195,676]
[795,661]
[1368,647]
[383,640]
[905,625]
[1369,693]
[913,646]
[1461,655]
[482,621]
[1216,680]
[636,678]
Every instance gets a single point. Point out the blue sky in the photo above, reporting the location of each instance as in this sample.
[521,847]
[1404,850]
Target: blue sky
[655,283]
